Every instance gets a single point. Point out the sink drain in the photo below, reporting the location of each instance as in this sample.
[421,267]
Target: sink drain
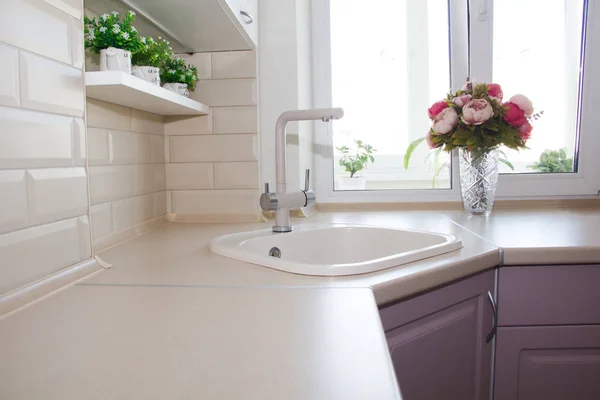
[275,252]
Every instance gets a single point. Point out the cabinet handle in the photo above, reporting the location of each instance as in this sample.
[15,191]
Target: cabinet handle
[250,18]
[492,333]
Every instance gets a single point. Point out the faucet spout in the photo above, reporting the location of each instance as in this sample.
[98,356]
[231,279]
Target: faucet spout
[324,114]
[281,201]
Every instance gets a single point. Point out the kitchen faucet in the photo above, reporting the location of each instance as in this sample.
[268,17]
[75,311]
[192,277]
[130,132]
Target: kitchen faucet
[281,201]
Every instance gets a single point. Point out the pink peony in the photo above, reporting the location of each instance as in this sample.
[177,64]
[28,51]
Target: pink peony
[523,103]
[462,99]
[514,115]
[436,108]
[525,131]
[476,112]
[431,144]
[494,90]
[445,121]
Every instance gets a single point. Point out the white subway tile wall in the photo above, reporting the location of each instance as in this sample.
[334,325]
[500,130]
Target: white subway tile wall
[44,224]
[127,170]
[212,160]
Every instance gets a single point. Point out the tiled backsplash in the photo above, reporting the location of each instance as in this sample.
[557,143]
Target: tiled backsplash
[212,160]
[127,171]
[140,165]
[44,226]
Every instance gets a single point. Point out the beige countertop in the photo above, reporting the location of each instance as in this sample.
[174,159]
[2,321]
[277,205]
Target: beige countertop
[530,237]
[124,343]
[170,319]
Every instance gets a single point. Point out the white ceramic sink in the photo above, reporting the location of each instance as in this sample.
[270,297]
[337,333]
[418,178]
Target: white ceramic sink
[335,249]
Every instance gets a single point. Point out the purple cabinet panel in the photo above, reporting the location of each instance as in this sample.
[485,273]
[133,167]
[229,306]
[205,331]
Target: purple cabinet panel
[437,341]
[552,295]
[547,362]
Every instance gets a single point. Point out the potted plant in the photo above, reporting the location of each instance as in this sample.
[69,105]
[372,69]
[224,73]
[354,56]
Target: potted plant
[553,161]
[113,39]
[354,161]
[150,56]
[475,121]
[178,76]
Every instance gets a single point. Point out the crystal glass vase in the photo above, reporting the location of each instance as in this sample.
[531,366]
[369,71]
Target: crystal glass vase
[478,179]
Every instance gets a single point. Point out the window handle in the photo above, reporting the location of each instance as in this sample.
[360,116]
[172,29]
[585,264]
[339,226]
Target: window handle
[483,10]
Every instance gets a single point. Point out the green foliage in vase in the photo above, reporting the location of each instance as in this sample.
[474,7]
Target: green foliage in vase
[355,160]
[175,70]
[152,53]
[553,161]
[110,31]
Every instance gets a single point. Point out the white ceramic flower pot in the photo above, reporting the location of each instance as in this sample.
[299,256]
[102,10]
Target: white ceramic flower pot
[150,74]
[179,88]
[113,59]
[347,183]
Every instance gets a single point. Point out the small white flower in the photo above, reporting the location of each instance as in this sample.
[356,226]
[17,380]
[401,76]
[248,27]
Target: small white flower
[116,28]
[91,36]
[133,29]
[105,16]
[168,42]
[170,48]
[125,35]
[131,12]
[172,71]
[143,39]
[147,47]
[160,37]
[115,13]
[102,29]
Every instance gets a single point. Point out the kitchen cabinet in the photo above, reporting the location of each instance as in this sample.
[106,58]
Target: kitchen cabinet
[548,345]
[192,26]
[438,340]
[548,362]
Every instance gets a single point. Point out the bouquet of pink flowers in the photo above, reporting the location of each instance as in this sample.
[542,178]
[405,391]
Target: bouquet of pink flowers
[476,118]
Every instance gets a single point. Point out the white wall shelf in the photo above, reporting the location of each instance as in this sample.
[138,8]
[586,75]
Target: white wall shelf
[127,90]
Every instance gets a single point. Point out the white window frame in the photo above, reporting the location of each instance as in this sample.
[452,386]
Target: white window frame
[584,183]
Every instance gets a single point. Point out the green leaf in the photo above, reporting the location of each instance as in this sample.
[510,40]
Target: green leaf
[410,149]
[462,133]
[508,163]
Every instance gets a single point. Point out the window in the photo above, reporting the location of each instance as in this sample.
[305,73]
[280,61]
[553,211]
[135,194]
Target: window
[386,61]
[386,76]
[542,59]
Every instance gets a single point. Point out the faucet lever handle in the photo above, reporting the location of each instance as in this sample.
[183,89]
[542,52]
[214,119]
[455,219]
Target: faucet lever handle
[307,180]
[266,187]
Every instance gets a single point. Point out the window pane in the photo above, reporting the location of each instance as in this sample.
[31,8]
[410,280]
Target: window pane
[537,52]
[390,62]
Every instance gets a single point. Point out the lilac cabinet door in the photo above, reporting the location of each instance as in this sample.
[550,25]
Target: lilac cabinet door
[549,295]
[438,341]
[548,362]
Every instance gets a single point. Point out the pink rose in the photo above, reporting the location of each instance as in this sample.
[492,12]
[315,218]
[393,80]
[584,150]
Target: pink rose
[514,115]
[523,103]
[525,131]
[430,143]
[436,108]
[476,112]
[462,99]
[445,121]
[495,90]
